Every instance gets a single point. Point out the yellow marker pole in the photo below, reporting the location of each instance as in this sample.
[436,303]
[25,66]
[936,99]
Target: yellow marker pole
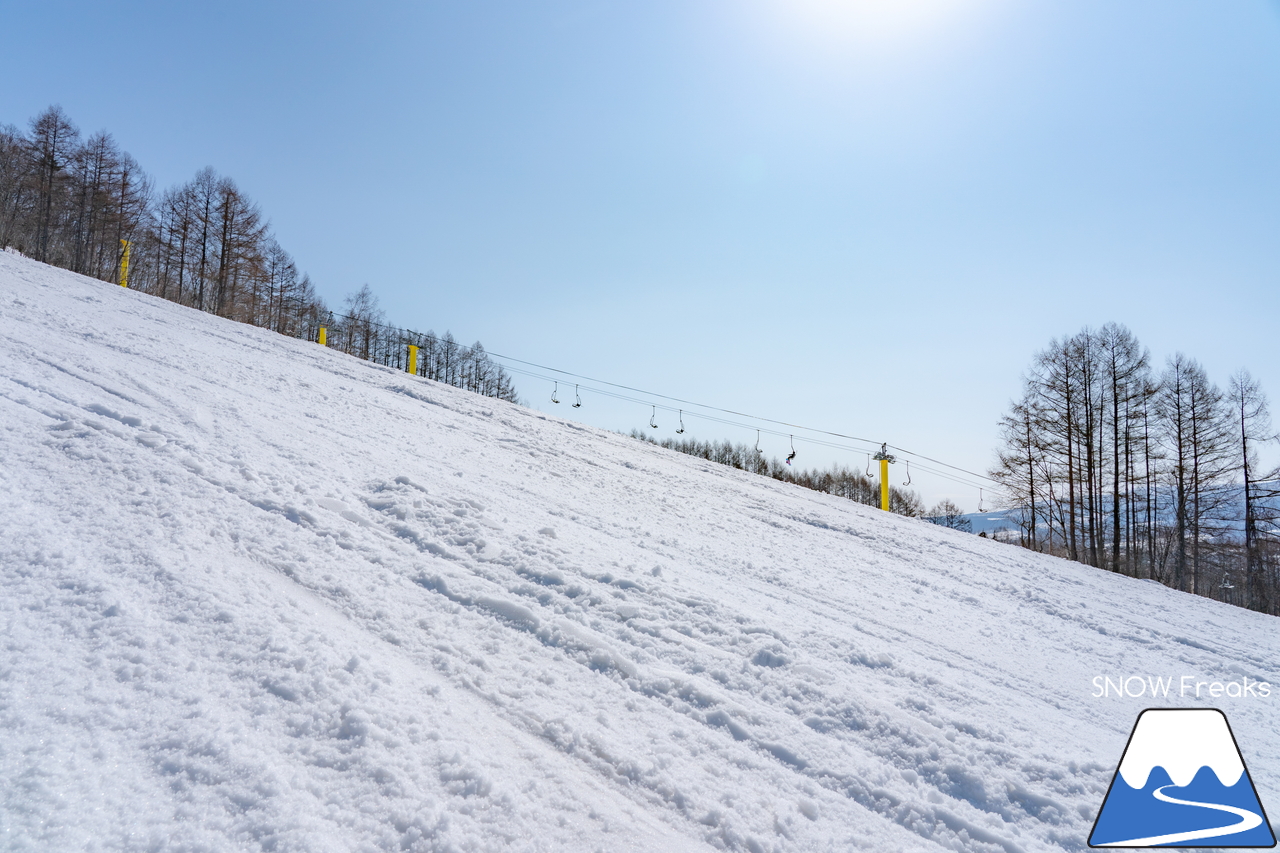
[413,360]
[124,264]
[324,336]
[884,484]
[884,457]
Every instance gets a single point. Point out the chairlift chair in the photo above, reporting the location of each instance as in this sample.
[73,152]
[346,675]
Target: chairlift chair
[792,454]
[577,404]
[653,418]
[554,393]
[681,429]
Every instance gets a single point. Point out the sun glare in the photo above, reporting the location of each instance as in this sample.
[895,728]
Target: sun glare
[867,22]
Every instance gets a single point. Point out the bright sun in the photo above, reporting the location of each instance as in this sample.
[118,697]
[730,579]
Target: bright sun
[868,21]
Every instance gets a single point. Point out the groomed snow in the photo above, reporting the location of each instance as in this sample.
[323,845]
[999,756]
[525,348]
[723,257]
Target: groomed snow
[259,595]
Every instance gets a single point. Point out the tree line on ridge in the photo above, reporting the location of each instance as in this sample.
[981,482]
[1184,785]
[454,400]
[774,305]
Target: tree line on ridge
[1152,472]
[75,202]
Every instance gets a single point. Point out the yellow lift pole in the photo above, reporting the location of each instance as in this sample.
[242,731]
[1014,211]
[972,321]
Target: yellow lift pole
[124,264]
[885,458]
[323,339]
[413,360]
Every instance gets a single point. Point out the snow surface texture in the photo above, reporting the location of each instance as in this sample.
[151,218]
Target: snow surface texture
[259,595]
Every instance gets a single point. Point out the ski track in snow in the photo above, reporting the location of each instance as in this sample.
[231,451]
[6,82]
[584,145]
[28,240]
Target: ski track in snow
[259,595]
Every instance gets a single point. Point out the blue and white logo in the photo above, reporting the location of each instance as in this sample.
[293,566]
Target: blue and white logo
[1182,783]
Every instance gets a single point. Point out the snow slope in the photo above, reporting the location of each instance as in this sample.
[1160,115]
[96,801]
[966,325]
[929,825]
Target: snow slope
[259,595]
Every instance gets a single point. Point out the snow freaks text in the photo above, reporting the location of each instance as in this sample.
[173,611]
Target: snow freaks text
[1185,686]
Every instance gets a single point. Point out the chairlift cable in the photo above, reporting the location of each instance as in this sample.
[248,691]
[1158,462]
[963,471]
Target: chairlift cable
[679,399]
[811,439]
[431,339]
[940,462]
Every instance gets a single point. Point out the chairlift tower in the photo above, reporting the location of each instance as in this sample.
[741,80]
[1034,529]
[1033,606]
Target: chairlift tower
[885,458]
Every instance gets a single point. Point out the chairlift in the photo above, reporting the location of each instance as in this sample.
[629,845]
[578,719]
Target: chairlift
[554,392]
[980,509]
[792,454]
[759,452]
[1226,584]
[868,466]
[908,464]
[653,418]
[681,430]
[577,399]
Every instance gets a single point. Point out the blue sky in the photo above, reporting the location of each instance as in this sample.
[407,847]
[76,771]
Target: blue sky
[860,216]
